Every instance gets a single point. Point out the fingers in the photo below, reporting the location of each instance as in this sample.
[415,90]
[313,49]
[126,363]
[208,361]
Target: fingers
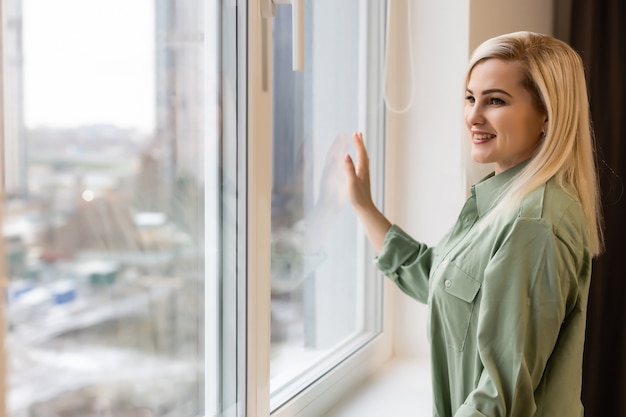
[362,160]
[349,166]
[357,173]
[361,168]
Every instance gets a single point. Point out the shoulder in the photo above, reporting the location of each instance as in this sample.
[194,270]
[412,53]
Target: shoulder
[552,203]
[559,211]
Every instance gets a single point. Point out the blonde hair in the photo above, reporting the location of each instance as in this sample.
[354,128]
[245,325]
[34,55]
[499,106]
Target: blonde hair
[554,74]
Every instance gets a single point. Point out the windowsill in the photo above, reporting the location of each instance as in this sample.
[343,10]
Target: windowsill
[400,388]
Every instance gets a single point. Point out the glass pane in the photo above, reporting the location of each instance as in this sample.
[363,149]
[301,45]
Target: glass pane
[318,285]
[103,211]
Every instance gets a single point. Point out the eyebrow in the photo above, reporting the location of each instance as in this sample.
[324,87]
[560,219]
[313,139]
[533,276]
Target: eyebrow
[490,91]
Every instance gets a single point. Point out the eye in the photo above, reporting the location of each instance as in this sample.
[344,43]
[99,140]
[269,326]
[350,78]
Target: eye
[496,101]
[470,99]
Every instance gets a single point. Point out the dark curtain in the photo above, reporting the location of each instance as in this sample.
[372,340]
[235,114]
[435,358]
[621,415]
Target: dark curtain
[599,35]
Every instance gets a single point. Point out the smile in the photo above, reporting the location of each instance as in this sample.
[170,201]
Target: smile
[483,136]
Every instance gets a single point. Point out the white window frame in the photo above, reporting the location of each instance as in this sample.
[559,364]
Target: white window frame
[326,391]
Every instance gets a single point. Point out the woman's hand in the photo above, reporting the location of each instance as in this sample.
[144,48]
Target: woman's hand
[374,222]
[358,177]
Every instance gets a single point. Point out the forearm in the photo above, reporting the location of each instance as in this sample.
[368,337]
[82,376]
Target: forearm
[375,224]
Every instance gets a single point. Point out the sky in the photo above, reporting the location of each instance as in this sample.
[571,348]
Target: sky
[89,62]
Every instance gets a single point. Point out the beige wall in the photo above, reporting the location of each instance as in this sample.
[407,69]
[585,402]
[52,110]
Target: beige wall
[489,18]
[424,184]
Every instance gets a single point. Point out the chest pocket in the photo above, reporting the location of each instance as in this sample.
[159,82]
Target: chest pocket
[452,305]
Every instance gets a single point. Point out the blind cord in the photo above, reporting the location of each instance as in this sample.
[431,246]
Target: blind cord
[388,102]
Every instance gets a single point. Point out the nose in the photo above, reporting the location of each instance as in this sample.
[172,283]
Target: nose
[473,115]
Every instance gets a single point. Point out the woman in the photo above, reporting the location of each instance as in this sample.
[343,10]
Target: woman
[507,286]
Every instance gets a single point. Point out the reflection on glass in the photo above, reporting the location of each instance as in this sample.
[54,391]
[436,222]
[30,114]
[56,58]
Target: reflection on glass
[102,220]
[317,296]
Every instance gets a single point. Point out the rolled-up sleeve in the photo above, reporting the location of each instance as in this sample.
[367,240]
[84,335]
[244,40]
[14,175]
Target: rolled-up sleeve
[406,262]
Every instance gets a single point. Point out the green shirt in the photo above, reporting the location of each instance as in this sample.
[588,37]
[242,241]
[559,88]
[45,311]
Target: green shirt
[507,303]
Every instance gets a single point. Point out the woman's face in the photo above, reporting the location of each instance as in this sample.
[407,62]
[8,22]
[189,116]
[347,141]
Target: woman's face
[505,127]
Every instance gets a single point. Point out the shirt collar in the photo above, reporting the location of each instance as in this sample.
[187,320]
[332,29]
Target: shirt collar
[489,189]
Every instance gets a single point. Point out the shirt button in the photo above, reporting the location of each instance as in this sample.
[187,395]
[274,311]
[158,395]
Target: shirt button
[448,283]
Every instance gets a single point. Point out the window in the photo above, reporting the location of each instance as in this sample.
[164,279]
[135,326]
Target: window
[176,235]
[103,207]
[319,287]
[306,245]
